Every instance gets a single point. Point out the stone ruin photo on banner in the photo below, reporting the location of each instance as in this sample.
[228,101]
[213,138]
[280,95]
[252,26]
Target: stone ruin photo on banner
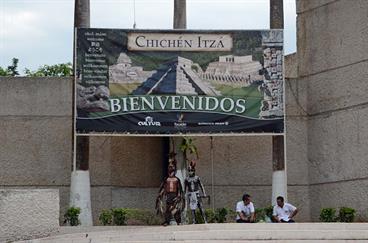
[179,81]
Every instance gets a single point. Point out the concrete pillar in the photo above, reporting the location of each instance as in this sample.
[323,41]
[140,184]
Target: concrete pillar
[279,185]
[180,22]
[80,191]
[180,14]
[279,176]
[80,195]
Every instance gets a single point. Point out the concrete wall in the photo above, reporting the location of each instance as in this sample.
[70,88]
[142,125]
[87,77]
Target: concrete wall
[36,134]
[125,172]
[296,139]
[333,63]
[240,164]
[28,214]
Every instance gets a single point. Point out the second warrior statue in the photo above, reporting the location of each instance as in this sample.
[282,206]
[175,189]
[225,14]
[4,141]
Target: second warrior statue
[192,186]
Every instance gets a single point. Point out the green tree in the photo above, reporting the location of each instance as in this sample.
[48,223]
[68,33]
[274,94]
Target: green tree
[57,70]
[11,70]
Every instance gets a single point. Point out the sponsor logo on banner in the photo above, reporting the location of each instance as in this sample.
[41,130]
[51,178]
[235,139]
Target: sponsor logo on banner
[149,122]
[180,122]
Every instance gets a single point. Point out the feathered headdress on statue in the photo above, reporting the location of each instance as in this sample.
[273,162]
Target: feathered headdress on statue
[192,164]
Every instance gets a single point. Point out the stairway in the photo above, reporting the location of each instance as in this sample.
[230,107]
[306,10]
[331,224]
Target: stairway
[205,87]
[152,81]
[260,232]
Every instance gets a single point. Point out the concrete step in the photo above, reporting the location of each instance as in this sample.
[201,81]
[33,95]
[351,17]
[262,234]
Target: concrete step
[262,232]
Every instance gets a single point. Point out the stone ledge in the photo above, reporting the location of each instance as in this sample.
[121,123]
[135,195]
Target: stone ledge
[305,232]
[27,214]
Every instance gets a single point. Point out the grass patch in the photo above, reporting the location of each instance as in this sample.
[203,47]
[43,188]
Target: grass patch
[251,93]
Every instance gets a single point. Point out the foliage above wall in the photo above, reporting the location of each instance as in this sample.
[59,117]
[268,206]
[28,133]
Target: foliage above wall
[56,70]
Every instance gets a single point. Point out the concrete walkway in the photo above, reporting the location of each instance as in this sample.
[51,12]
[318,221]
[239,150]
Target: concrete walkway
[261,232]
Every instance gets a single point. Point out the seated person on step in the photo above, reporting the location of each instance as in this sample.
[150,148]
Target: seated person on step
[283,212]
[245,212]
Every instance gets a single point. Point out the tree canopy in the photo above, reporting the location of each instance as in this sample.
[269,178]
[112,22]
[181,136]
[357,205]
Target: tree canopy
[11,70]
[56,70]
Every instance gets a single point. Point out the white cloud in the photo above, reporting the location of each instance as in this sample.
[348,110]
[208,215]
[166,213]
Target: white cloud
[19,24]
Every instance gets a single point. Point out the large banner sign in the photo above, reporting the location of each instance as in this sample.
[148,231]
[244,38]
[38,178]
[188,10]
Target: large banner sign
[179,82]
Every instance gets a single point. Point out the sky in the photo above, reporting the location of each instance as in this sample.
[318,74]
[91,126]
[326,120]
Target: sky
[39,32]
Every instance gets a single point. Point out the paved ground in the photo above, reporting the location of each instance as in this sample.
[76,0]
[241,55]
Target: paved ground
[261,232]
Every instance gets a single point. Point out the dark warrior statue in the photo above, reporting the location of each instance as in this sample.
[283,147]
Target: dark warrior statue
[171,191]
[192,186]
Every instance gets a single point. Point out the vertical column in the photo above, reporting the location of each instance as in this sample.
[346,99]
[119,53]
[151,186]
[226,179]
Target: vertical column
[80,186]
[279,176]
[180,14]
[180,22]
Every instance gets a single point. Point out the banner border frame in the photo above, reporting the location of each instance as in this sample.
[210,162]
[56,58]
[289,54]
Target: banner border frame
[224,134]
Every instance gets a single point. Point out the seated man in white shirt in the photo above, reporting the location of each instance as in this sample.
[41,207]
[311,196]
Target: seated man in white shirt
[245,210]
[283,212]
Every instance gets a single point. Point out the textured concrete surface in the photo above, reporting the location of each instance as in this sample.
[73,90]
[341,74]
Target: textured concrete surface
[228,196]
[291,66]
[339,144]
[35,96]
[240,165]
[35,125]
[100,161]
[35,151]
[101,198]
[246,160]
[296,130]
[28,214]
[297,166]
[299,196]
[332,36]
[134,197]
[307,5]
[261,232]
[337,89]
[136,161]
[351,193]
[332,65]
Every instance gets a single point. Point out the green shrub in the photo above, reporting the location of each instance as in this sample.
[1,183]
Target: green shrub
[210,215]
[268,211]
[119,216]
[346,214]
[141,217]
[231,215]
[72,216]
[131,216]
[328,215]
[105,217]
[220,215]
[260,214]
